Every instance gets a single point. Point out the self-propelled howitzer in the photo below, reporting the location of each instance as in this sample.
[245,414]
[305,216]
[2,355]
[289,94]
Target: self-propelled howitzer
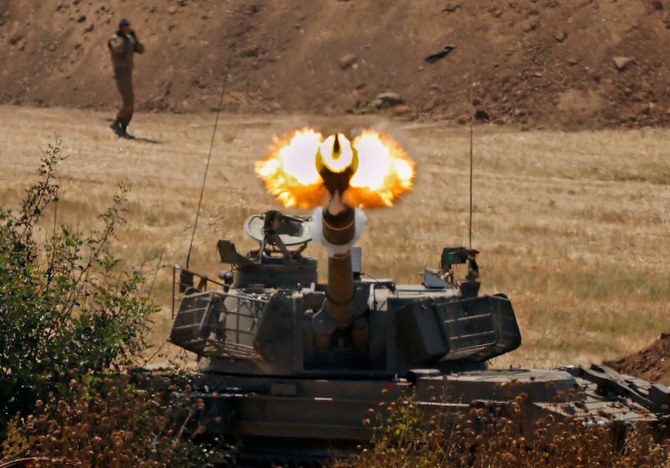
[292,366]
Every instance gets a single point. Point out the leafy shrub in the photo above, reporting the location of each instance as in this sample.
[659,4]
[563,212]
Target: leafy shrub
[65,308]
[71,323]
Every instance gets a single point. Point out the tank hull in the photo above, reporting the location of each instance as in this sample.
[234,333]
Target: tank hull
[317,419]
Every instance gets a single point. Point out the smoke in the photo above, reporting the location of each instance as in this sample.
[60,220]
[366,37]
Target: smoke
[316,228]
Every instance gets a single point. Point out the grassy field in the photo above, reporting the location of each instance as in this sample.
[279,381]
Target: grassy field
[572,226]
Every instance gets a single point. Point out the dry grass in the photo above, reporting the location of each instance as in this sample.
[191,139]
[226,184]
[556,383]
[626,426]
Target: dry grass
[500,435]
[572,226]
[103,422]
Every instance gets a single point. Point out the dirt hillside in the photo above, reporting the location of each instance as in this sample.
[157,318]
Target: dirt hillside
[535,62]
[652,363]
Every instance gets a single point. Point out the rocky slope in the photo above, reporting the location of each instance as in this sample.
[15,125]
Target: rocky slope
[570,63]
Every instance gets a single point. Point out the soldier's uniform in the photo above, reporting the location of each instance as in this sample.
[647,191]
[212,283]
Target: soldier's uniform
[122,48]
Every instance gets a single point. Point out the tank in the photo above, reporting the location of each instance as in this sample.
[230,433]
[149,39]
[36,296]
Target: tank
[292,366]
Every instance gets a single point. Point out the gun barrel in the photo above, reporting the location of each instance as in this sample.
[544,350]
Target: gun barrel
[339,230]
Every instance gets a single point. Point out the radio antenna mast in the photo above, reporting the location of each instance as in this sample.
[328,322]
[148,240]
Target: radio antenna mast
[473,114]
[471,171]
[209,158]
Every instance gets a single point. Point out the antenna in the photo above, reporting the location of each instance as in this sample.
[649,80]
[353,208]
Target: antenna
[473,114]
[209,158]
[471,170]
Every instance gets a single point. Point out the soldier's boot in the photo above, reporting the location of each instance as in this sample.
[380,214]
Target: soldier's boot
[117,126]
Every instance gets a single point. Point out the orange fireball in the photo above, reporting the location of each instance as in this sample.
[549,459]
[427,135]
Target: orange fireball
[289,170]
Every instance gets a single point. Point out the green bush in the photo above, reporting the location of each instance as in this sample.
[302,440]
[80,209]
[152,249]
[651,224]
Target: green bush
[71,323]
[65,308]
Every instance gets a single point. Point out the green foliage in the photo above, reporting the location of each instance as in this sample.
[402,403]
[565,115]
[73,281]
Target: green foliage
[65,309]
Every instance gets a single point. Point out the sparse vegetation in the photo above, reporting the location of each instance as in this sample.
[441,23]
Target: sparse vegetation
[102,422]
[501,435]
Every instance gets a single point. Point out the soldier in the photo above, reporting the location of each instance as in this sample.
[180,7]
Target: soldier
[123,45]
